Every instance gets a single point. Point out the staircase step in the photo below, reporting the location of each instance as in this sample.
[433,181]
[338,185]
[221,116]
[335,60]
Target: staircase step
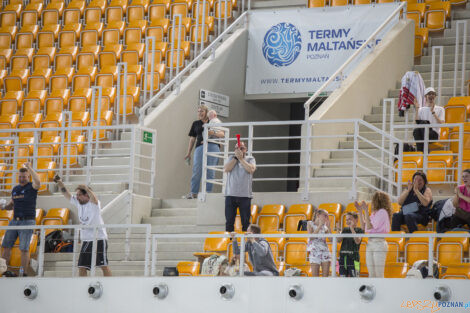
[423,68]
[179,203]
[169,220]
[111,161]
[175,212]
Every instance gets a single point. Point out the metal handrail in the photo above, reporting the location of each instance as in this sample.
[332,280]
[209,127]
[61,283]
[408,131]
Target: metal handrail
[339,71]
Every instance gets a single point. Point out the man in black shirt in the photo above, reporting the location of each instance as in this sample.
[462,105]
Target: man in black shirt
[23,202]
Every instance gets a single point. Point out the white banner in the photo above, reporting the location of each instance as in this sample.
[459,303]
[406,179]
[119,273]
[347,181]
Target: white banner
[295,50]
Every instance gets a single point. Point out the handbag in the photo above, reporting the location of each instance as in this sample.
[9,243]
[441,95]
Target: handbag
[410,208]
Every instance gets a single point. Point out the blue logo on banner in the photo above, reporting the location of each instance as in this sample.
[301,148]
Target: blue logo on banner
[282,44]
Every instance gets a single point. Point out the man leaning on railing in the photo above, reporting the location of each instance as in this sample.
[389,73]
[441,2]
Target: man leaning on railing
[89,213]
[23,202]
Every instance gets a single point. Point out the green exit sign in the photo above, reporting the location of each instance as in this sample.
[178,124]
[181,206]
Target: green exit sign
[147,137]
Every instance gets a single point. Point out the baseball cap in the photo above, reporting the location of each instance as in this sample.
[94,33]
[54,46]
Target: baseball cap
[428,90]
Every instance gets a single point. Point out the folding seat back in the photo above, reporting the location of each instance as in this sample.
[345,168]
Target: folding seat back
[157,11]
[179,9]
[156,82]
[396,247]
[29,18]
[19,63]
[435,19]
[187,268]
[130,57]
[465,101]
[175,58]
[50,17]
[45,39]
[452,250]
[24,40]
[135,13]
[334,212]
[216,244]
[31,107]
[114,14]
[201,11]
[81,81]
[89,37]
[277,244]
[295,252]
[71,16]
[8,18]
[85,60]
[455,113]
[176,33]
[316,3]
[157,32]
[222,9]
[104,80]
[416,11]
[395,270]
[15,257]
[45,154]
[132,35]
[422,34]
[296,213]
[417,248]
[5,41]
[92,15]
[336,3]
[271,217]
[8,107]
[199,33]
[67,39]
[111,36]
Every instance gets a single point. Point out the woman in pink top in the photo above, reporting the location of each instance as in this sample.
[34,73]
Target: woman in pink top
[377,223]
[461,201]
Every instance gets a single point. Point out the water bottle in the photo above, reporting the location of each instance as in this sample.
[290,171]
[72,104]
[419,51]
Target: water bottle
[3,202]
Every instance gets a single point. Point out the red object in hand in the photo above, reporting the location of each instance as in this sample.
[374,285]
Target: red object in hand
[238,140]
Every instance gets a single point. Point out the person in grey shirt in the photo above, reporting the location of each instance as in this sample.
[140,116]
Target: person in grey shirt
[259,252]
[238,190]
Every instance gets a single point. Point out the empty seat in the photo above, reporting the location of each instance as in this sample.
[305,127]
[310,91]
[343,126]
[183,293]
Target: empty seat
[188,268]
[271,217]
[216,245]
[395,270]
[277,245]
[417,248]
[436,15]
[15,257]
[56,216]
[457,271]
[296,255]
[452,250]
[296,213]
[396,247]
[415,11]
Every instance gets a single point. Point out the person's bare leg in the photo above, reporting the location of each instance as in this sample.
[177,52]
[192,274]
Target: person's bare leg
[25,260]
[82,271]
[106,271]
[315,270]
[6,255]
[325,269]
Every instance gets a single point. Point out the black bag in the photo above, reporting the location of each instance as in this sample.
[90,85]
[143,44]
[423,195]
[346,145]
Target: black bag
[64,246]
[170,271]
[407,147]
[52,240]
[302,225]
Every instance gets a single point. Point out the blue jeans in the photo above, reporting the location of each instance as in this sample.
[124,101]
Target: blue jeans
[197,167]
[24,234]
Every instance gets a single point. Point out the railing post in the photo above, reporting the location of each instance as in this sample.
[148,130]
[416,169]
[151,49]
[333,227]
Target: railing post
[400,167]
[251,134]
[132,158]
[148,234]
[456,60]
[460,154]
[242,255]
[226,151]
[75,252]
[464,56]
[307,159]
[382,155]
[333,254]
[93,252]
[153,264]
[154,165]
[42,241]
[205,136]
[69,141]
[431,256]
[353,194]
[433,69]
[426,149]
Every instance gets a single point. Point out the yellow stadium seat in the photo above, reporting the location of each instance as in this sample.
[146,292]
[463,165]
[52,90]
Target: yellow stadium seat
[15,257]
[438,165]
[223,9]
[296,213]
[465,164]
[395,270]
[271,217]
[454,135]
[415,11]
[455,113]
[157,11]
[417,248]
[435,17]
[213,246]
[55,216]
[5,217]
[364,272]
[457,271]
[418,46]
[452,250]
[179,9]
[334,212]
[188,268]
[296,255]
[464,101]
[356,2]
[39,216]
[277,245]
[316,3]
[423,32]
[396,246]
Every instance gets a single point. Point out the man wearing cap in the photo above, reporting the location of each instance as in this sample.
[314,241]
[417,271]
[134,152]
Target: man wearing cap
[23,204]
[428,114]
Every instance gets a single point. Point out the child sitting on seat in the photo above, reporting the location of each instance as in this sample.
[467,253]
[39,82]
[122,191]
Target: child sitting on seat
[317,247]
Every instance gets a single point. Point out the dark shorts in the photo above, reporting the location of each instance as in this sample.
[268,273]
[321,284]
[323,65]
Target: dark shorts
[24,234]
[84,260]
[348,266]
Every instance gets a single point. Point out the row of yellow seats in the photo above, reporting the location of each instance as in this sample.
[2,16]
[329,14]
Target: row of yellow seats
[273,217]
[322,3]
[292,252]
[54,216]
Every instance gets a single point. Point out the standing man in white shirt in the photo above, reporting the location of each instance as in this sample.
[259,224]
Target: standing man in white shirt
[431,113]
[89,213]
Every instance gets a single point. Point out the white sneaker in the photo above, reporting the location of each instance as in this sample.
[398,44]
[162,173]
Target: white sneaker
[190,196]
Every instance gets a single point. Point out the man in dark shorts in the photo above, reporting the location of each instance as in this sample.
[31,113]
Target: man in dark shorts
[23,203]
[89,213]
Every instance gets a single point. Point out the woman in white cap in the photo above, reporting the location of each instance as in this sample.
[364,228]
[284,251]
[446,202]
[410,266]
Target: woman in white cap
[428,114]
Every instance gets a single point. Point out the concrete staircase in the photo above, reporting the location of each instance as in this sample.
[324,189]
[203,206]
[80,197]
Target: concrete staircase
[170,216]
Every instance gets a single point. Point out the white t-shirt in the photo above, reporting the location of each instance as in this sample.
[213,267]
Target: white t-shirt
[425,114]
[89,214]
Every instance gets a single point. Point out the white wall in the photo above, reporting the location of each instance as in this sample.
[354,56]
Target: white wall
[173,117]
[201,295]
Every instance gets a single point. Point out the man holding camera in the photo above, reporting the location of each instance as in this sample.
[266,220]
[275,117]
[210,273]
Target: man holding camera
[238,191]
[89,213]
[23,203]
